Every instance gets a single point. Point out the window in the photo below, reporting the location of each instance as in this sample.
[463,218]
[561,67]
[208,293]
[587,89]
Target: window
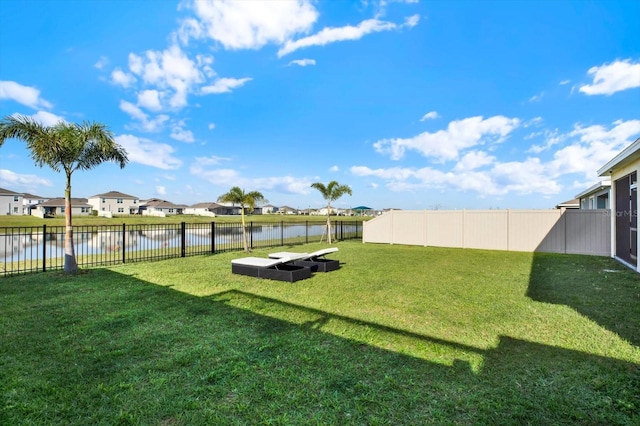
[120,209]
[104,200]
[61,209]
[119,200]
[170,210]
[103,209]
[84,209]
[15,210]
[135,201]
[16,198]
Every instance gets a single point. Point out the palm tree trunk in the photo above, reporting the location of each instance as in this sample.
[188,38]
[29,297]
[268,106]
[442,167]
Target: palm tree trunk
[70,264]
[244,230]
[329,223]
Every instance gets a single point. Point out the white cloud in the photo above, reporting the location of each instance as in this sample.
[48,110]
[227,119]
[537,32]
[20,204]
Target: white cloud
[25,95]
[588,148]
[249,24]
[161,190]
[411,21]
[552,138]
[332,35]
[211,126]
[46,118]
[334,169]
[536,98]
[102,62]
[614,77]
[201,168]
[430,116]
[565,82]
[122,78]
[446,144]
[224,85]
[150,99]
[147,124]
[149,153]
[18,181]
[302,62]
[474,160]
[170,70]
[182,135]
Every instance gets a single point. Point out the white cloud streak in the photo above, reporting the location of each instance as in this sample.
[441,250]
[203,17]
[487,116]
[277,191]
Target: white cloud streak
[302,62]
[614,77]
[446,144]
[149,153]
[25,95]
[248,24]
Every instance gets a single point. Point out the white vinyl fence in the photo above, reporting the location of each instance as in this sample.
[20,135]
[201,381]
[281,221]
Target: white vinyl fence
[554,231]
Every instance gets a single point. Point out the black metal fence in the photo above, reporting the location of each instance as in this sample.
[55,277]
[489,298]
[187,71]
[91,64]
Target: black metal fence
[41,248]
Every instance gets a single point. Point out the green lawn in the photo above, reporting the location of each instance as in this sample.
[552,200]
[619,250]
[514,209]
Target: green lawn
[399,335]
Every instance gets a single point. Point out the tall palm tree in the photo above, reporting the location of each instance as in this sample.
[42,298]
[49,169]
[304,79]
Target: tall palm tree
[331,192]
[65,147]
[245,200]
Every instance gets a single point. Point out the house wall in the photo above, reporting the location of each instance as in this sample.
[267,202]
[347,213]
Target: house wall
[112,205]
[556,231]
[616,175]
[11,204]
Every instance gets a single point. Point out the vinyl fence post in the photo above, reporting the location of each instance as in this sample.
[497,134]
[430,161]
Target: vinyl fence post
[44,248]
[213,237]
[124,242]
[183,237]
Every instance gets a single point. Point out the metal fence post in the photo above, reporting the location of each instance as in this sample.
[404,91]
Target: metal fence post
[213,237]
[124,243]
[44,248]
[306,231]
[183,237]
[251,235]
[282,232]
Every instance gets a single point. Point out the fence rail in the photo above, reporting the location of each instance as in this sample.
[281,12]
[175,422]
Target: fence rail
[41,248]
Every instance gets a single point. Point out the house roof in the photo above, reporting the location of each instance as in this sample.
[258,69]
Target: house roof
[570,204]
[163,204]
[605,184]
[206,205]
[33,197]
[59,202]
[8,192]
[626,156]
[286,208]
[114,194]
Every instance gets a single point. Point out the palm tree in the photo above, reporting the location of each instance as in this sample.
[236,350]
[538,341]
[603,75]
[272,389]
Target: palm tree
[68,147]
[248,200]
[331,192]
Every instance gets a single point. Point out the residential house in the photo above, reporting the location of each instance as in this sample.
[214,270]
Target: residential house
[287,210]
[115,202]
[56,206]
[571,204]
[205,209]
[11,202]
[30,202]
[623,170]
[161,208]
[595,197]
[269,209]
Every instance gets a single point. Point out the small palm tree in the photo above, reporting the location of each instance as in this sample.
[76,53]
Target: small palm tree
[68,147]
[331,192]
[245,200]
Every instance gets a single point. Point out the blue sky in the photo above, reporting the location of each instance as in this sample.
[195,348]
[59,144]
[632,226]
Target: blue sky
[413,104]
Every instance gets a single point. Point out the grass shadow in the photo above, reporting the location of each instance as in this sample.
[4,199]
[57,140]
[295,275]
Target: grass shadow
[107,348]
[612,298]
